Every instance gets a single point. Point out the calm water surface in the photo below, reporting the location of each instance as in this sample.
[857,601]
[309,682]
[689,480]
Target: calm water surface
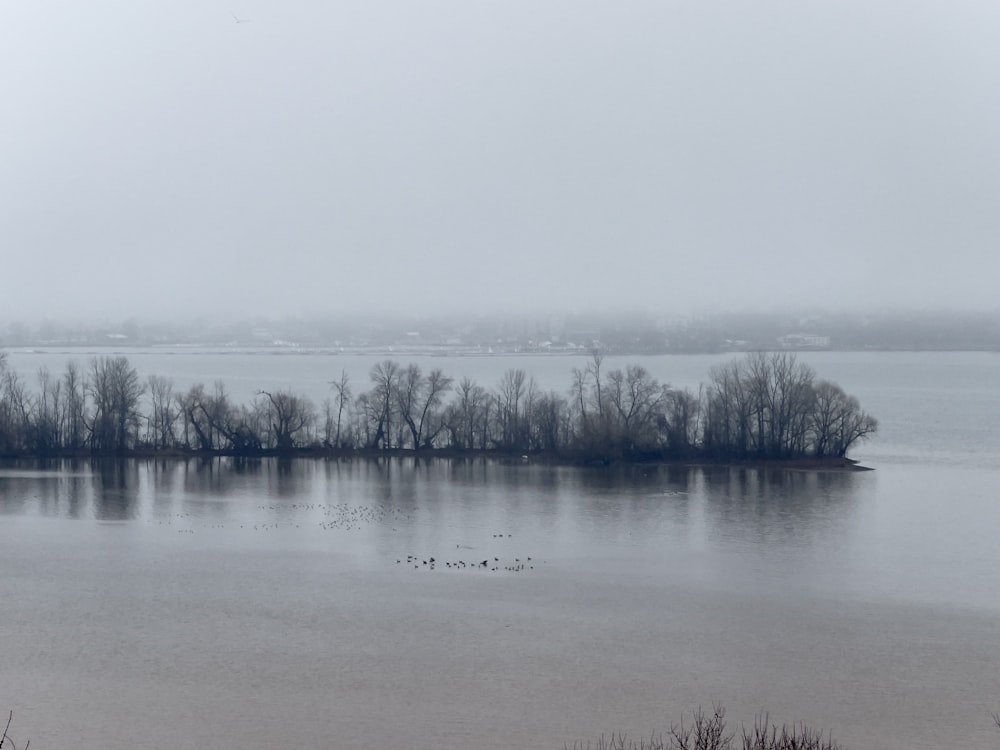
[259,605]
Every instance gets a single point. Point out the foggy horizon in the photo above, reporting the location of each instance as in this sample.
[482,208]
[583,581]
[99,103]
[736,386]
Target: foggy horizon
[85,318]
[164,161]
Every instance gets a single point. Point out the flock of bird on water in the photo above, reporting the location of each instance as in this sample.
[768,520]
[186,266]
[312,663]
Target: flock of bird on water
[346,517]
[493,565]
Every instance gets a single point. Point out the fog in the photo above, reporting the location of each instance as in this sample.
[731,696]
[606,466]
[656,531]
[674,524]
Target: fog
[307,157]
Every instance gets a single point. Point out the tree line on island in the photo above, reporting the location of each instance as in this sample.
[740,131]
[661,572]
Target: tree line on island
[765,406]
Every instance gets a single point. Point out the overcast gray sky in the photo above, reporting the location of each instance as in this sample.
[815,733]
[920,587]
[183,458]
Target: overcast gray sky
[417,155]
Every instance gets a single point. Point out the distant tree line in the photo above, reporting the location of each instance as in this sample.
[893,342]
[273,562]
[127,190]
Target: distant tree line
[765,406]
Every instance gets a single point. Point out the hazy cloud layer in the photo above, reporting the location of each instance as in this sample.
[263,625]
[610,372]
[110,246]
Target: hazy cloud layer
[161,157]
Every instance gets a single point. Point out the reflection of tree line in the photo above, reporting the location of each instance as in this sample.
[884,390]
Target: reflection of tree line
[115,488]
[764,406]
[765,504]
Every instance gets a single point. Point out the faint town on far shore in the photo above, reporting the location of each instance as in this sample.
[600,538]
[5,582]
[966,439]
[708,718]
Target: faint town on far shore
[539,334]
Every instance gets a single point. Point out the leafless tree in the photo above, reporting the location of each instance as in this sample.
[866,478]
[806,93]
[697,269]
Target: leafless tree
[731,409]
[419,398]
[328,423]
[115,389]
[681,421]
[594,369]
[75,389]
[163,413]
[549,422]
[197,409]
[15,410]
[511,392]
[770,406]
[765,735]
[578,395]
[363,416]
[342,391]
[290,417]
[218,424]
[637,400]
[705,732]
[409,388]
[48,413]
[466,415]
[709,731]
[837,421]
[782,389]
[380,402]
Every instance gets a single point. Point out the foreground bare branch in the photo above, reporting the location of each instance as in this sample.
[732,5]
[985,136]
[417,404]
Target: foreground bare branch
[6,739]
[708,732]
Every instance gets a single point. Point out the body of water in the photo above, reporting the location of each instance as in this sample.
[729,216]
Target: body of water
[267,604]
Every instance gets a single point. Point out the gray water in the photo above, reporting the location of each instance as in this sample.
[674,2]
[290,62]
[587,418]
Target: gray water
[259,605]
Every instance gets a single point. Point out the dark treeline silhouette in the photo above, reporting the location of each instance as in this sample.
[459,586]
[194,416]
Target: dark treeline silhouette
[765,406]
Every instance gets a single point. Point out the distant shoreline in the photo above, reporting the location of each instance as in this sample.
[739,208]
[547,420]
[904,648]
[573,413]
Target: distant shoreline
[403,350]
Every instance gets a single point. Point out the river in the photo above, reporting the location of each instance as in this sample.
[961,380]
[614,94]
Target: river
[267,604]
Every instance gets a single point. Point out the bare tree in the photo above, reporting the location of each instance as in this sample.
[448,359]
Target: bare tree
[163,413]
[15,411]
[770,406]
[709,731]
[75,388]
[342,390]
[409,388]
[637,399]
[466,414]
[363,412]
[578,395]
[418,398]
[48,413]
[218,424]
[838,421]
[115,389]
[202,413]
[727,412]
[328,423]
[787,402]
[550,423]
[681,423]
[511,391]
[290,417]
[594,368]
[380,401]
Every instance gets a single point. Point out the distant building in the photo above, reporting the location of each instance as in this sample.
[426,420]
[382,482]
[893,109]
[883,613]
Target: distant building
[803,341]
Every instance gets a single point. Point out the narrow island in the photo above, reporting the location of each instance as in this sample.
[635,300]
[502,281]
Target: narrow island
[764,407]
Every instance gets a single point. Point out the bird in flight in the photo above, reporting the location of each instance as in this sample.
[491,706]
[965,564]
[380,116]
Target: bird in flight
[238,19]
